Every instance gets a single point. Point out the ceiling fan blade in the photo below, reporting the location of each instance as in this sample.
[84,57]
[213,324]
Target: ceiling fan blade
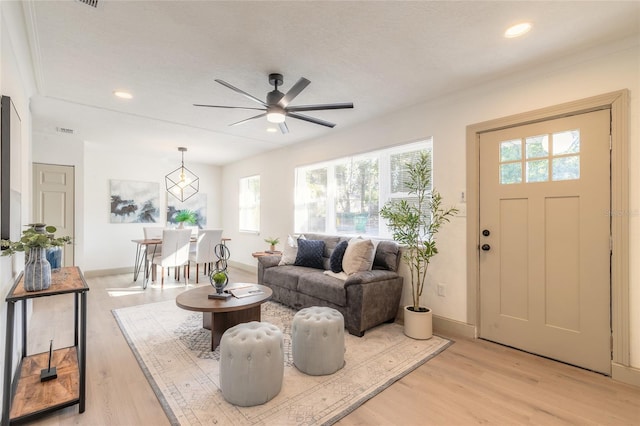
[230,107]
[311,119]
[293,92]
[248,119]
[242,92]
[344,105]
[283,128]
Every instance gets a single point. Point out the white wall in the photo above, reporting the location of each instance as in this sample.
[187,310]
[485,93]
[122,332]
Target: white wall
[108,245]
[18,84]
[582,76]
[95,165]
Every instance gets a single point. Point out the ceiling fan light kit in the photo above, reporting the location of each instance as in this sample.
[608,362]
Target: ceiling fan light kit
[276,108]
[182,183]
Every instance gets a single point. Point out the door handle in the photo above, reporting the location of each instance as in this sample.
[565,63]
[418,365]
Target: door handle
[486,247]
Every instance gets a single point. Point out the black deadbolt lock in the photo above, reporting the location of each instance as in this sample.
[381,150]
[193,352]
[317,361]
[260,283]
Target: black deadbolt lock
[486,232]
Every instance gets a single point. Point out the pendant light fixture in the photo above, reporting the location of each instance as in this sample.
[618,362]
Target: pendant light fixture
[182,183]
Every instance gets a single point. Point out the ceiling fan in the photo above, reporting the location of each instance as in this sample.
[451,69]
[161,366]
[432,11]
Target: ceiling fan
[276,108]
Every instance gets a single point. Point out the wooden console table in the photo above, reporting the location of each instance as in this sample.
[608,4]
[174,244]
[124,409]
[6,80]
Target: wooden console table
[25,397]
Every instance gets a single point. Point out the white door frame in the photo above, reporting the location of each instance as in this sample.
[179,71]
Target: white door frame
[618,102]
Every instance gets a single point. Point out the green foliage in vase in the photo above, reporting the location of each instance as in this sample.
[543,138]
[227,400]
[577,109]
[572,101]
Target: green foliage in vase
[186,216]
[272,241]
[32,239]
[219,277]
[415,224]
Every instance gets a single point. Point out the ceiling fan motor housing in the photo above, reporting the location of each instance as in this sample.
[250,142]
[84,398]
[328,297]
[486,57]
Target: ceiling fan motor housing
[276,80]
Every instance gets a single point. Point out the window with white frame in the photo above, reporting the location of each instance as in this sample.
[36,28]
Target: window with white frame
[343,196]
[249,195]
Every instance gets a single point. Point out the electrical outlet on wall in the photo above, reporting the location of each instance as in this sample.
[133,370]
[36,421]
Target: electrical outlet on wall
[442,289]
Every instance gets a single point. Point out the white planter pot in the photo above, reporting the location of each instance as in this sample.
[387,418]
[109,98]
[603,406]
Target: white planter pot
[418,325]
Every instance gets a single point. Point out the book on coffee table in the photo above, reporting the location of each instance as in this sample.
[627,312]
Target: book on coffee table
[245,291]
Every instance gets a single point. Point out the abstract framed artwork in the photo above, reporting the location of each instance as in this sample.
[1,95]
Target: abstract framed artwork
[134,202]
[197,203]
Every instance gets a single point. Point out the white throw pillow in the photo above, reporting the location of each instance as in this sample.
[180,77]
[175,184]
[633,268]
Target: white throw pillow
[290,251]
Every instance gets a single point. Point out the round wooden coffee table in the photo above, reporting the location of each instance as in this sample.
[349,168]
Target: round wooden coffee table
[219,315]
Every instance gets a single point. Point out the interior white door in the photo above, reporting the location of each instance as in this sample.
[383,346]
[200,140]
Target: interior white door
[53,199]
[545,239]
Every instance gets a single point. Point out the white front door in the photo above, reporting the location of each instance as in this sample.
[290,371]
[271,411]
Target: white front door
[545,238]
[53,195]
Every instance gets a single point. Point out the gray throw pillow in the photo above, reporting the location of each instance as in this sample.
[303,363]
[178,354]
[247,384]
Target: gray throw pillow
[310,254]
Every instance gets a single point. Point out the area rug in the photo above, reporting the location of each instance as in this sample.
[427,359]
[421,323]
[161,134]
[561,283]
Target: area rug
[174,352]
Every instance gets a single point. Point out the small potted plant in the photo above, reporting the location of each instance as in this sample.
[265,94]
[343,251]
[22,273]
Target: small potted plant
[185,216]
[219,280]
[415,225]
[35,241]
[272,243]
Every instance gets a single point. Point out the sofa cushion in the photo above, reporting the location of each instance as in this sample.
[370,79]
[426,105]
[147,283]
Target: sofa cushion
[358,256]
[283,276]
[335,261]
[317,284]
[310,254]
[386,256]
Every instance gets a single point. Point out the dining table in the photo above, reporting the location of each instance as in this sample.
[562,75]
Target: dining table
[143,247]
[147,248]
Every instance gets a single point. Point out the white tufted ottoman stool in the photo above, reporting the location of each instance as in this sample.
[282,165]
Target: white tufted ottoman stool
[317,336]
[251,363]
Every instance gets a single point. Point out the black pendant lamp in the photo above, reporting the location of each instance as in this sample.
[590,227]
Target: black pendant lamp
[182,183]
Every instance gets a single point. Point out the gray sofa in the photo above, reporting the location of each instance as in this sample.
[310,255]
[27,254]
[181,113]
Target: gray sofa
[365,299]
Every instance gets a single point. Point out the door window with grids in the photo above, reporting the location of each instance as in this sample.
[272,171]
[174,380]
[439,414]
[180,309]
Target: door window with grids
[541,158]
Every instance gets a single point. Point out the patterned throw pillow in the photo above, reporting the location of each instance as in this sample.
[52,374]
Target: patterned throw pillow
[335,261]
[310,254]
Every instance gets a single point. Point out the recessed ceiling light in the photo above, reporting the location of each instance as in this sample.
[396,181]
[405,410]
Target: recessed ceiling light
[517,30]
[122,94]
[271,129]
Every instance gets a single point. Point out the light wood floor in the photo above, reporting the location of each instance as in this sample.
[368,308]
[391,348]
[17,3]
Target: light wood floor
[472,382]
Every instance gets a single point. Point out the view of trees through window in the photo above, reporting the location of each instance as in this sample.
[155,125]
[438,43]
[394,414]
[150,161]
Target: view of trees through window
[344,196]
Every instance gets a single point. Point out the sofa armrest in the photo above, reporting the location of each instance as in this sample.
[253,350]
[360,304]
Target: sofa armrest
[269,261]
[265,262]
[366,277]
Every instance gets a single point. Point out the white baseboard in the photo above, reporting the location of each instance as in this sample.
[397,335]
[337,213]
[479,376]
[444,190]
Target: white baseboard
[622,373]
[113,271]
[450,327]
[249,268]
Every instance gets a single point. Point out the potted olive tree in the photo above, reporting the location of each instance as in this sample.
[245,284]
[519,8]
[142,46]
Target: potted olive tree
[414,225]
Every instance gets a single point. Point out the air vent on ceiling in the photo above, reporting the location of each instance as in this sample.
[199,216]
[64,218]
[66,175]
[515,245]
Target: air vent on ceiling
[64,130]
[92,3]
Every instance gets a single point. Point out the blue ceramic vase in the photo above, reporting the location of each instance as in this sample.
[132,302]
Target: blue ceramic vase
[37,270]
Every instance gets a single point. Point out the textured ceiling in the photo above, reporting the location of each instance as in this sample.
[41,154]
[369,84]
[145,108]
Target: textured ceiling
[382,56]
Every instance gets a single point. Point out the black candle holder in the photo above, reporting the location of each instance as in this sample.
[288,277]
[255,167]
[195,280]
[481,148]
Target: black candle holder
[50,372]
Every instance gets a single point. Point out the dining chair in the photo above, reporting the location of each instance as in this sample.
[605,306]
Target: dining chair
[152,233]
[175,253]
[203,250]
